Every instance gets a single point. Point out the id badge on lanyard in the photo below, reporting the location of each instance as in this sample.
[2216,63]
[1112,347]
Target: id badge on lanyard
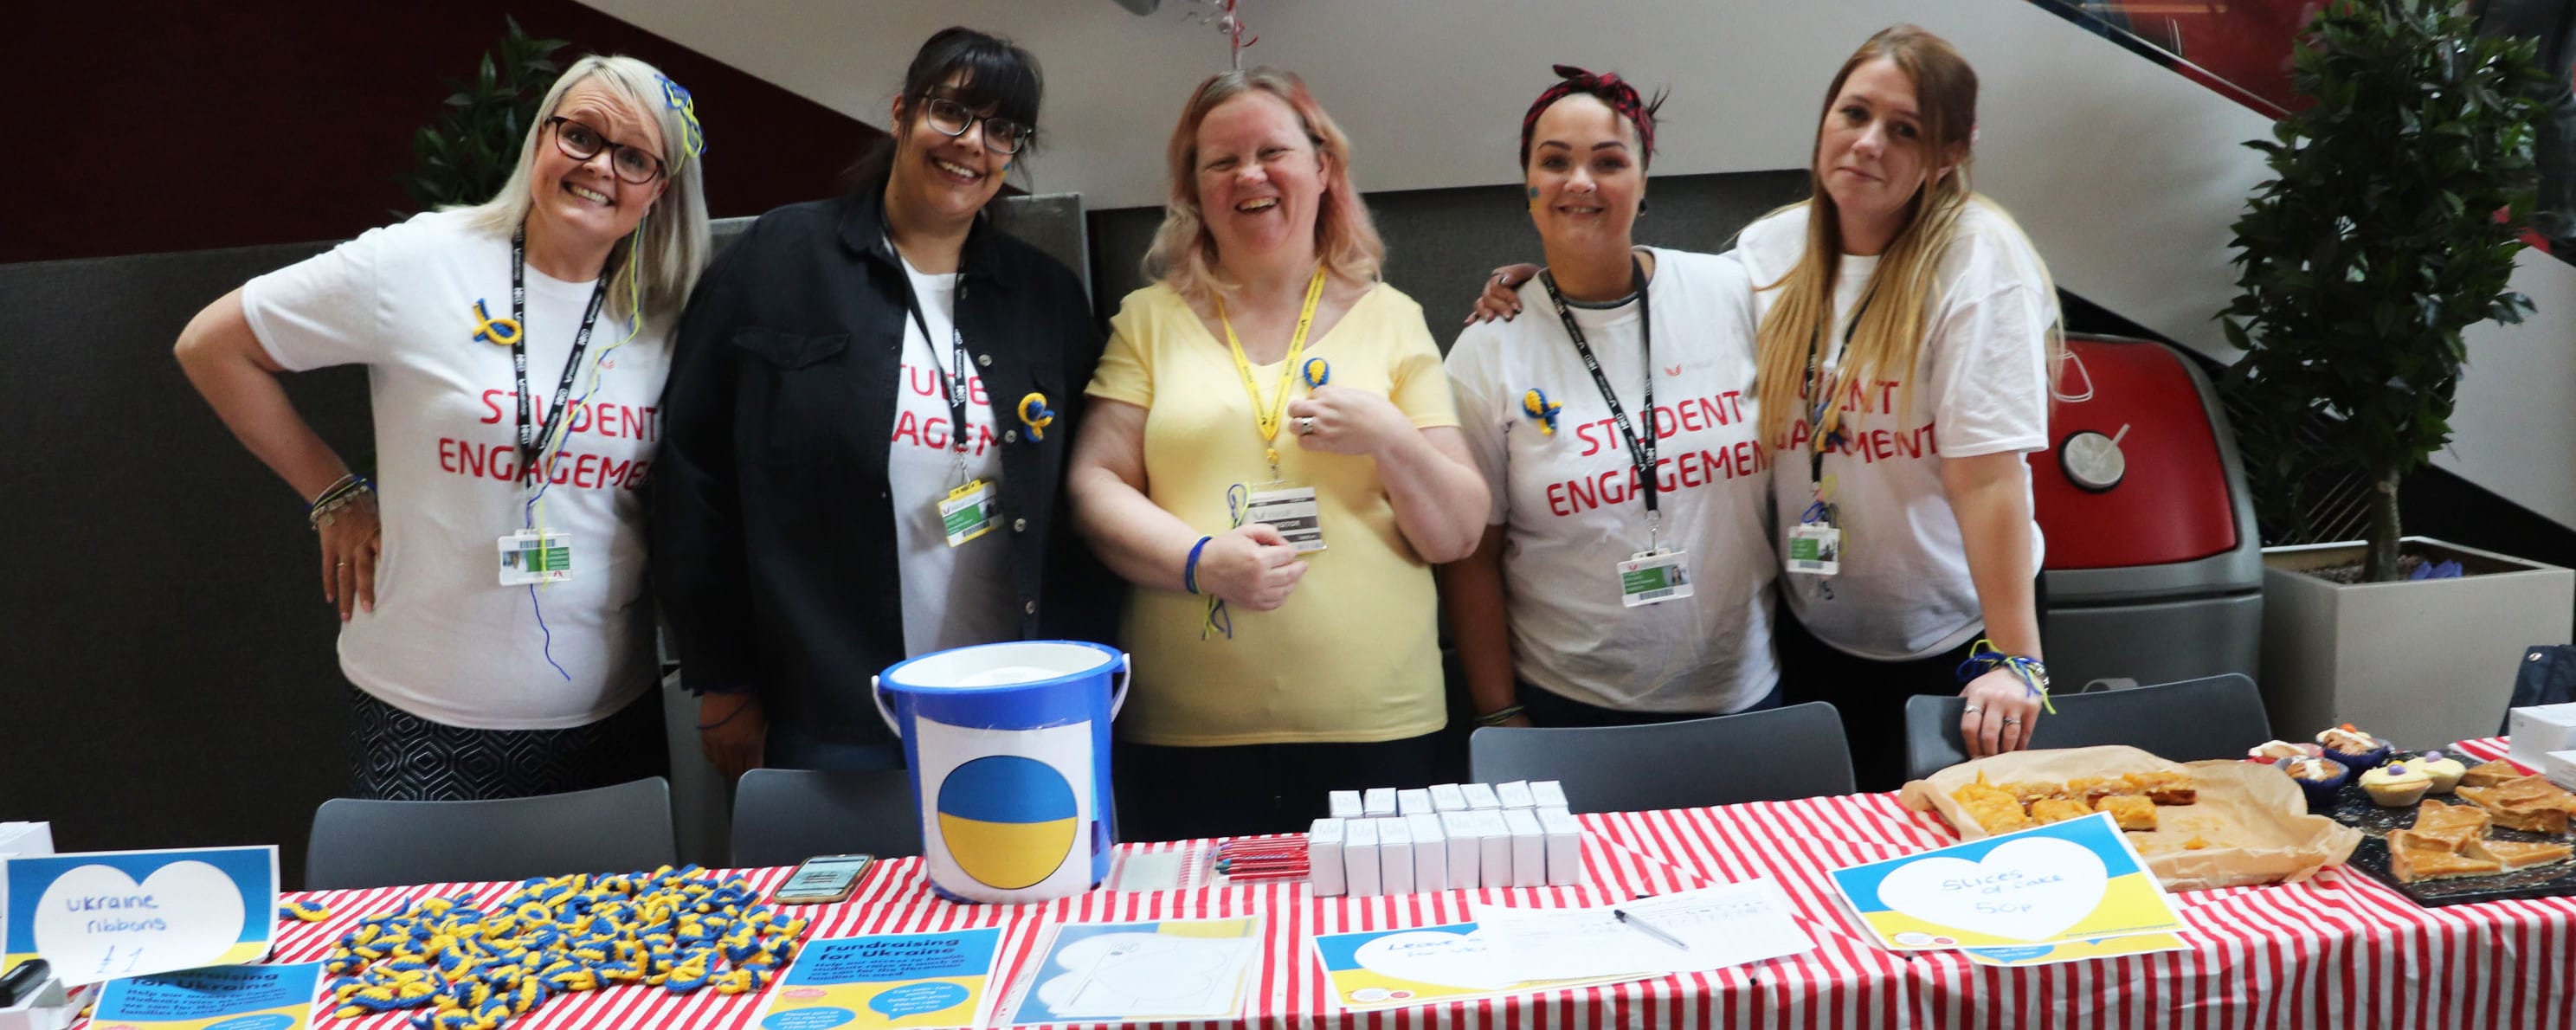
[1282,505]
[534,555]
[1816,542]
[1658,573]
[972,506]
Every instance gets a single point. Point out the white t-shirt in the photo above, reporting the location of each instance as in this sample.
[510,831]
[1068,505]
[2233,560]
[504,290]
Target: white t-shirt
[447,642]
[1572,506]
[1903,590]
[952,596]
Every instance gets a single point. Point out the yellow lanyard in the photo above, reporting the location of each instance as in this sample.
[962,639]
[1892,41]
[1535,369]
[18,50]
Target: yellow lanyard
[1266,413]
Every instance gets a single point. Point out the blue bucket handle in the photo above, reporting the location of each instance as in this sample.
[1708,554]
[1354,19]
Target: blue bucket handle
[1117,693]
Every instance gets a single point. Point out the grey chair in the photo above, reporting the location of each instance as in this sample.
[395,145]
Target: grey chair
[1772,755]
[785,816]
[364,843]
[2188,720]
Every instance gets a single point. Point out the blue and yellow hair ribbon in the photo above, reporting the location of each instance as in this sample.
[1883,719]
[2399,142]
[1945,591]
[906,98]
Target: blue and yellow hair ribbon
[677,98]
[1035,414]
[1536,405]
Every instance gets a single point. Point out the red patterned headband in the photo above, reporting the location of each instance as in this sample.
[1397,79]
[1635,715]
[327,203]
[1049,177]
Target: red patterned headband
[1609,89]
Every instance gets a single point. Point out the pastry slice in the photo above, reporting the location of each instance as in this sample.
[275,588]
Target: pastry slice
[2536,815]
[2030,793]
[2163,786]
[2490,774]
[2411,858]
[2094,788]
[2515,854]
[2453,825]
[2130,811]
[2532,792]
[2058,810]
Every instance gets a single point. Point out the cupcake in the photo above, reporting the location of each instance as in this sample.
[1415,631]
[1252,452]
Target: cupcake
[2273,751]
[2319,777]
[2353,748]
[2444,770]
[2396,785]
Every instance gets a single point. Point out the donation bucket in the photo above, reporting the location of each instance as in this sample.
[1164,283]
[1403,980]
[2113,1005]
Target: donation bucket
[1009,750]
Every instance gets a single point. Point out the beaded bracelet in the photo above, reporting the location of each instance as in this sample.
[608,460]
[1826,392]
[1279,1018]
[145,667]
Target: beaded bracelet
[341,493]
[1499,716]
[1984,656]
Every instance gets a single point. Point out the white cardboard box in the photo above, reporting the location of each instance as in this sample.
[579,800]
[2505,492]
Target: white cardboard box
[1378,803]
[1480,796]
[1344,804]
[2539,730]
[1415,801]
[1430,852]
[1515,794]
[1394,855]
[2560,767]
[1359,857]
[1547,794]
[1494,861]
[48,1007]
[1529,848]
[1564,847]
[28,840]
[1324,859]
[1446,797]
[1466,835]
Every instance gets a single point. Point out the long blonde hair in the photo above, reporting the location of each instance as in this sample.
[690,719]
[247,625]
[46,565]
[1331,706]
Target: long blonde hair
[675,240]
[1183,255]
[1904,290]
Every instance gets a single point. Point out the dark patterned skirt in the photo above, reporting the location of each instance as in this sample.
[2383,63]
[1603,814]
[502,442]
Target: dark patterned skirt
[397,756]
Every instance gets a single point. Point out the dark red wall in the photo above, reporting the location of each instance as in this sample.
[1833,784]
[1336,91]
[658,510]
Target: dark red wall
[142,127]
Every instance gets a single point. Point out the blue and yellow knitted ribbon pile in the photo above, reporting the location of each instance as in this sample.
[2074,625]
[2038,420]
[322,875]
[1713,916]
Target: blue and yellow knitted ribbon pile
[474,969]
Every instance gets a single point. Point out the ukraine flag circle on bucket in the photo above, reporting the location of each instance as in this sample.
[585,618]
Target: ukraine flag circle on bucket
[1009,821]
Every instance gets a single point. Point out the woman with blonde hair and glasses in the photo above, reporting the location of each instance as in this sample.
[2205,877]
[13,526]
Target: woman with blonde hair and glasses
[1273,459]
[496,633]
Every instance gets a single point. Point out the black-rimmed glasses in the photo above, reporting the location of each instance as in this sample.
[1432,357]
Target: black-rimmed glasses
[1001,135]
[581,143]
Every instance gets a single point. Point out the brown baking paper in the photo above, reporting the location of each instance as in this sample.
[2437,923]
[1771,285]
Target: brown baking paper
[2253,818]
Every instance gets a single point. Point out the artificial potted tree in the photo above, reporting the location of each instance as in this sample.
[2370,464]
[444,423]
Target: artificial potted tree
[2377,242]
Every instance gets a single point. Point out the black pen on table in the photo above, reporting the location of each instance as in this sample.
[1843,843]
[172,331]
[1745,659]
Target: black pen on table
[1647,928]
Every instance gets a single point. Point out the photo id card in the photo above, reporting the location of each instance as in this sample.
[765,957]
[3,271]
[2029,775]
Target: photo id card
[1291,511]
[1650,577]
[1815,548]
[968,511]
[529,556]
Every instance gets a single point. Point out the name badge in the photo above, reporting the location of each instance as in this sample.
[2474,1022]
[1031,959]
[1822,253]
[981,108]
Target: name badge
[529,556]
[1652,577]
[1291,511]
[1815,548]
[968,511]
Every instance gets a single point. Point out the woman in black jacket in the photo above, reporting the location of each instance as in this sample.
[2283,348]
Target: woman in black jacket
[866,426]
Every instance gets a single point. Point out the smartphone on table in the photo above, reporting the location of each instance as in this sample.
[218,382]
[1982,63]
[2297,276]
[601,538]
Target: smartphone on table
[823,879]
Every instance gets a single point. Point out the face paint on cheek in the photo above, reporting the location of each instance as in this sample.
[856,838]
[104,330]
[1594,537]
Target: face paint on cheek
[1533,193]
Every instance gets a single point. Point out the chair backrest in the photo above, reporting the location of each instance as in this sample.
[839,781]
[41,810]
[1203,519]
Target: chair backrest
[785,816]
[364,843]
[1771,755]
[2187,720]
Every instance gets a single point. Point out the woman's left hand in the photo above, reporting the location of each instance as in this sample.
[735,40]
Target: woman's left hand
[1345,421]
[2000,714]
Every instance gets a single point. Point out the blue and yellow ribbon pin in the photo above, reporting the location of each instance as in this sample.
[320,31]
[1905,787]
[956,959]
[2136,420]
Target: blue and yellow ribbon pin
[1317,372]
[503,331]
[677,98]
[1035,414]
[1536,405]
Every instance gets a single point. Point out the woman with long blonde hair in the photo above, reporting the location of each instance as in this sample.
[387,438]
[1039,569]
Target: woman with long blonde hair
[1906,328]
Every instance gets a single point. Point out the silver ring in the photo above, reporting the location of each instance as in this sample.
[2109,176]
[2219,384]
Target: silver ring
[2011,721]
[344,565]
[1972,709]
[1305,425]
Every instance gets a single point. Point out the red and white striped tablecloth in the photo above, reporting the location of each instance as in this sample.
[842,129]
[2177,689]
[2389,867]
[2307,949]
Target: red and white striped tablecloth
[2340,950]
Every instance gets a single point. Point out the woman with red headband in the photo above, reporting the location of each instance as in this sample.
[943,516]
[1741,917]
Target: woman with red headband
[1603,593]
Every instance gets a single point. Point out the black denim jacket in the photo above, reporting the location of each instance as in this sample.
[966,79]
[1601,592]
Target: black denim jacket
[773,536]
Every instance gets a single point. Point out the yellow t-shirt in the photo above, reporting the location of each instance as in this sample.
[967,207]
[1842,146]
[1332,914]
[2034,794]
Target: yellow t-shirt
[1353,655]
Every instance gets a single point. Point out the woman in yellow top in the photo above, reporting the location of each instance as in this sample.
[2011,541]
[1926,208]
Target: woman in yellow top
[1276,461]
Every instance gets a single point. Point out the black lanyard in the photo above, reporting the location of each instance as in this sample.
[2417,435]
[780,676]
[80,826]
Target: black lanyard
[529,434]
[1819,400]
[1641,455]
[952,382]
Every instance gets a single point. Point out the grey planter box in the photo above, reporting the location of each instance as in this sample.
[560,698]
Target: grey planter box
[2422,663]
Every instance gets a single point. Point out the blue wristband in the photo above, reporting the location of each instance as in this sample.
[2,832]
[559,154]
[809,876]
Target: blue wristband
[1190,569]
